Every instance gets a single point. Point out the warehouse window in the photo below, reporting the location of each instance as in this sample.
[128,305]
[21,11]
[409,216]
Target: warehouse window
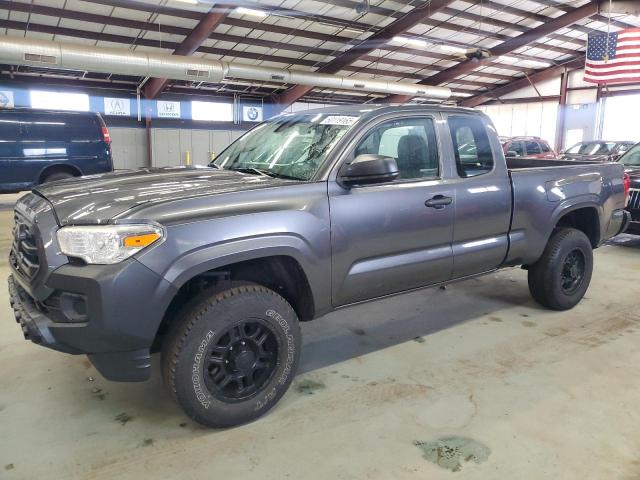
[77,102]
[471,146]
[212,111]
[411,142]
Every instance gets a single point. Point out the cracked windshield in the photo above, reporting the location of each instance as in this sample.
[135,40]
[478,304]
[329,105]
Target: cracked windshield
[292,147]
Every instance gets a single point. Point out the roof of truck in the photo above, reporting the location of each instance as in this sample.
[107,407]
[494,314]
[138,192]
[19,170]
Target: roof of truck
[384,108]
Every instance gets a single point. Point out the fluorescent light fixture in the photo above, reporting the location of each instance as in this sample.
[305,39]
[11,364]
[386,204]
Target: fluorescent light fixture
[78,102]
[461,94]
[535,63]
[251,11]
[410,41]
[452,48]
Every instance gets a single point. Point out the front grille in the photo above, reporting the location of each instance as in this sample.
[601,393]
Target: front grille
[24,252]
[634,199]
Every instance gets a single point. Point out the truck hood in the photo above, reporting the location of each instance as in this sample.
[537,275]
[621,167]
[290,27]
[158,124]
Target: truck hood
[99,198]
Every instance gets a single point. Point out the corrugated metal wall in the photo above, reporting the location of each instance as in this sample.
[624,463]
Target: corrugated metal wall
[169,146]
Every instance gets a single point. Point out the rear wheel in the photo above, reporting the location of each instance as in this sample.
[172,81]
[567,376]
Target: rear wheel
[232,354]
[561,277]
[55,176]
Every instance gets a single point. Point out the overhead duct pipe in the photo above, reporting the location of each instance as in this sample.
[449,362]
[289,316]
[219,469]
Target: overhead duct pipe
[63,55]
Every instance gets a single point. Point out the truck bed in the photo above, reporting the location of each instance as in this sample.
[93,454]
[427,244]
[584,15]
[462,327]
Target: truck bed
[545,190]
[526,162]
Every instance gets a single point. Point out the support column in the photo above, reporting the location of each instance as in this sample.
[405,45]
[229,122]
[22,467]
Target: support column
[147,122]
[562,110]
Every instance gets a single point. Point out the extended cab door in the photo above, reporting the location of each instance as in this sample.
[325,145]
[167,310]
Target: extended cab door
[384,237]
[482,195]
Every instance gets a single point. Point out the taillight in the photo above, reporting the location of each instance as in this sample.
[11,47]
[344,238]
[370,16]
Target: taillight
[105,136]
[627,188]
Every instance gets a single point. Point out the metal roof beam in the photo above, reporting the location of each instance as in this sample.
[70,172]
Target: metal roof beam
[505,48]
[189,45]
[511,87]
[382,36]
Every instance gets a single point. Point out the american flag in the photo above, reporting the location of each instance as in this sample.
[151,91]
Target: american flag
[616,60]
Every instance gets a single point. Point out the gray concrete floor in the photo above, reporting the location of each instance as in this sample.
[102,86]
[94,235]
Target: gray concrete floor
[407,387]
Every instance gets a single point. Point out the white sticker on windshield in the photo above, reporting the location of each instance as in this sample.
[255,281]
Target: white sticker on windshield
[339,120]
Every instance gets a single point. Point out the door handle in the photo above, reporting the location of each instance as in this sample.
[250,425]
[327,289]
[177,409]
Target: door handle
[438,202]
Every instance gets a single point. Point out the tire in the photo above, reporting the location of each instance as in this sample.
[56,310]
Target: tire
[198,357]
[54,177]
[560,278]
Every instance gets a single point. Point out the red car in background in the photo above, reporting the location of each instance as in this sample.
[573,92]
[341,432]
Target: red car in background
[531,147]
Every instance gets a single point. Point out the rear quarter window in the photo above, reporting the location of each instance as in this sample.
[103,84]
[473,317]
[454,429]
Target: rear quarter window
[471,146]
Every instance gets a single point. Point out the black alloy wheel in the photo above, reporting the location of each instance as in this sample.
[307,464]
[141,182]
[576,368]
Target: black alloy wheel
[242,361]
[231,353]
[573,272]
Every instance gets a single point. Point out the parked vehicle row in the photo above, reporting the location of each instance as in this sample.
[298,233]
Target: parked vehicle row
[531,147]
[596,151]
[41,146]
[631,162]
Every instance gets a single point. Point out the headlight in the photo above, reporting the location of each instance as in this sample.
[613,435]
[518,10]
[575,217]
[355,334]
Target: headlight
[106,244]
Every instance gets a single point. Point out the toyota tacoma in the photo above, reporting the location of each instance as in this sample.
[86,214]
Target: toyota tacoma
[216,266]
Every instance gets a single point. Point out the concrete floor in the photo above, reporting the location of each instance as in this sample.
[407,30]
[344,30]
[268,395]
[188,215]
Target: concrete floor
[475,378]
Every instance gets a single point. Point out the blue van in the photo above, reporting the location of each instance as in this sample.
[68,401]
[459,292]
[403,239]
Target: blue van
[39,146]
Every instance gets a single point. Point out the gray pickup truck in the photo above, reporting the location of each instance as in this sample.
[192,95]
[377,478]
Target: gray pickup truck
[309,212]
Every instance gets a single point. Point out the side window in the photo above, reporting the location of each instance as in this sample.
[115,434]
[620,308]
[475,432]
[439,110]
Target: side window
[471,146]
[533,148]
[517,147]
[545,147]
[410,141]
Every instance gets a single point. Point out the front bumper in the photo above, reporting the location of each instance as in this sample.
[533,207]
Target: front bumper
[125,304]
[633,228]
[626,222]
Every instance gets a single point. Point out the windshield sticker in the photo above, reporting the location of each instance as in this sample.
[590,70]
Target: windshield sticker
[339,120]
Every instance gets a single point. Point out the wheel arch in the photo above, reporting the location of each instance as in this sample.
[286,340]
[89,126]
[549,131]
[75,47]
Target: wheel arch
[278,270]
[583,217]
[58,168]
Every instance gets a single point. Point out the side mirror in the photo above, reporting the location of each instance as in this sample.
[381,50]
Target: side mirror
[368,169]
[512,154]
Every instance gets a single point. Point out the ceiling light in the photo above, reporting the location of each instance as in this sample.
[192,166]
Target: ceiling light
[410,41]
[452,49]
[536,63]
[251,11]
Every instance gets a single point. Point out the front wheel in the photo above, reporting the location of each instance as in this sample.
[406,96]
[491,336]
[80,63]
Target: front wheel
[232,354]
[560,278]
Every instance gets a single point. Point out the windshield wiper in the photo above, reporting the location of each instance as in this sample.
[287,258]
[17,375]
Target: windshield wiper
[265,173]
[255,171]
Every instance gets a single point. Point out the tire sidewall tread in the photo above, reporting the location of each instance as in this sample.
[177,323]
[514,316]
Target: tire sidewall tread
[544,275]
[191,327]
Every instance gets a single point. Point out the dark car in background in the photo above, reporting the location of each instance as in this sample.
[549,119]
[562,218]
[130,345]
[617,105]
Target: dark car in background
[531,147]
[596,151]
[40,146]
[631,162]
